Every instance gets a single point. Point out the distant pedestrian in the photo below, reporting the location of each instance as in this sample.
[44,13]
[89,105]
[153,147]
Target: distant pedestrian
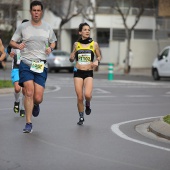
[130,60]
[38,41]
[84,52]
[15,54]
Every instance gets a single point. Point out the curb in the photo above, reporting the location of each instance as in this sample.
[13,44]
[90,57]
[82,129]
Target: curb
[11,90]
[160,128]
[6,90]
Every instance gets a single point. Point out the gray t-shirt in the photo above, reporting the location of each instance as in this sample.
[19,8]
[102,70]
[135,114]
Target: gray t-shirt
[36,39]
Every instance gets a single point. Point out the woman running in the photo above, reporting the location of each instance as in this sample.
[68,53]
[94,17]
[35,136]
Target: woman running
[85,50]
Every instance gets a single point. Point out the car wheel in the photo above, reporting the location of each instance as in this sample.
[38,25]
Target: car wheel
[70,70]
[155,74]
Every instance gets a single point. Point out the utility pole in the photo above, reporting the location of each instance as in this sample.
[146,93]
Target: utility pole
[26,9]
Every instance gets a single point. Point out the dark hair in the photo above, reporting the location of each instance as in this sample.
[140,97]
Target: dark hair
[35,3]
[25,20]
[82,25]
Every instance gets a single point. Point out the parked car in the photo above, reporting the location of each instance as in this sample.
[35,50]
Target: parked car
[161,64]
[59,60]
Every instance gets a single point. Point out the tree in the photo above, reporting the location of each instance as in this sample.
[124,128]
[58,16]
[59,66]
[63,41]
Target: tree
[140,5]
[89,13]
[65,10]
[128,29]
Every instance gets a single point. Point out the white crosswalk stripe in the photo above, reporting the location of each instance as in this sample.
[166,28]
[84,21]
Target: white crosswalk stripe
[68,82]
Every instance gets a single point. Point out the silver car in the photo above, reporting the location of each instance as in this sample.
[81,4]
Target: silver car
[59,60]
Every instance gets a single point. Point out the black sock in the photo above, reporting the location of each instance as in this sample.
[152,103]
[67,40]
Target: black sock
[81,114]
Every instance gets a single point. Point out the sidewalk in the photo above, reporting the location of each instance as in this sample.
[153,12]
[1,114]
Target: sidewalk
[120,71]
[160,128]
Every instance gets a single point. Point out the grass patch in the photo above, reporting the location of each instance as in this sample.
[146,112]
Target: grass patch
[167,119]
[5,84]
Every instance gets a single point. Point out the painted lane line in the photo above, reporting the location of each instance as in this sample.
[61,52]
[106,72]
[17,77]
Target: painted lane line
[98,90]
[168,92]
[70,97]
[139,82]
[57,88]
[133,96]
[117,131]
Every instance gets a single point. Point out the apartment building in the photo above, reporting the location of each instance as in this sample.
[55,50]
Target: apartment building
[150,35]
[8,18]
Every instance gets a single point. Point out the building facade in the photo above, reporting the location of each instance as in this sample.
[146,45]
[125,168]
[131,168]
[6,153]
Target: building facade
[150,35]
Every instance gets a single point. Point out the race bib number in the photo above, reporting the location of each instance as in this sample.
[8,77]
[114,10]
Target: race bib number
[84,59]
[37,67]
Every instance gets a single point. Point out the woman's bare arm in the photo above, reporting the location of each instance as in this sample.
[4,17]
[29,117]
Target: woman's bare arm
[72,55]
[98,52]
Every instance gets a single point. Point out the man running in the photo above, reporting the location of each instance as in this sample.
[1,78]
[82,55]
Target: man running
[35,35]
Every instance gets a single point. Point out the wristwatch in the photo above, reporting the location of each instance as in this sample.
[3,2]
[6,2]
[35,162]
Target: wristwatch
[52,49]
[98,62]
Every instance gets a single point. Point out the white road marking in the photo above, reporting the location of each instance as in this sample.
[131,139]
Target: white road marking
[168,92]
[57,88]
[133,96]
[140,82]
[117,131]
[97,90]
[70,97]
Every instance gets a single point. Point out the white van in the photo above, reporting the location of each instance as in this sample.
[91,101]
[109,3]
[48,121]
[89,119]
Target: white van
[161,64]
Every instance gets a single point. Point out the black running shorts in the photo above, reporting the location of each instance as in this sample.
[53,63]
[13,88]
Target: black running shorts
[83,73]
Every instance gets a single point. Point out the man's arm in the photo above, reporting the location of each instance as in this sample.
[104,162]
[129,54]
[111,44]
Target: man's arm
[50,48]
[2,50]
[52,45]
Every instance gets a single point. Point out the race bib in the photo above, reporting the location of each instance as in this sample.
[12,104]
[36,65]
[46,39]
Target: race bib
[84,59]
[37,67]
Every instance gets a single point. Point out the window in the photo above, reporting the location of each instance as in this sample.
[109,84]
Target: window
[103,36]
[164,54]
[1,14]
[119,35]
[162,34]
[143,34]
[74,37]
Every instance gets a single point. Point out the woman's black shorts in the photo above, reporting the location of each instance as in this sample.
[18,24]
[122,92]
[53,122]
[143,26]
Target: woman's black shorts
[82,73]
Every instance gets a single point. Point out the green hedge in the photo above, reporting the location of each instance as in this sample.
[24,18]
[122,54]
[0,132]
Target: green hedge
[5,83]
[167,119]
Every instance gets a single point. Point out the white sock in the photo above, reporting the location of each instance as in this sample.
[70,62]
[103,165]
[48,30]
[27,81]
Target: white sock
[22,103]
[16,95]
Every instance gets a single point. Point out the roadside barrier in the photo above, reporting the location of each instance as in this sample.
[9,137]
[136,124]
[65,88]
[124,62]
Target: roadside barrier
[110,71]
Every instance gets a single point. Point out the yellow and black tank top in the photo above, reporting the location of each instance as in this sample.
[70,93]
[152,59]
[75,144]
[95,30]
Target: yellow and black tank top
[84,55]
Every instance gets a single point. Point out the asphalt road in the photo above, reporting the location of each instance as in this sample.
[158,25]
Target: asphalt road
[107,141]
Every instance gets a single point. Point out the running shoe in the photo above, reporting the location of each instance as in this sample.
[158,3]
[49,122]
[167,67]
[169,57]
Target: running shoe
[22,113]
[16,107]
[36,110]
[87,110]
[28,128]
[81,121]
